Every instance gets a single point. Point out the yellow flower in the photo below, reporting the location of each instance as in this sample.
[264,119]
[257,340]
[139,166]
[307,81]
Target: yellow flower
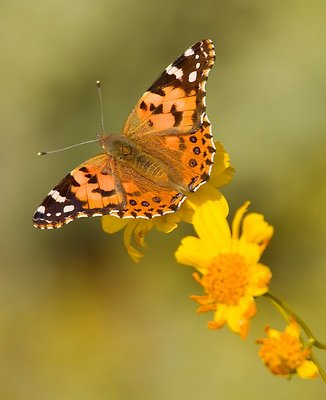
[228,264]
[284,355]
[221,175]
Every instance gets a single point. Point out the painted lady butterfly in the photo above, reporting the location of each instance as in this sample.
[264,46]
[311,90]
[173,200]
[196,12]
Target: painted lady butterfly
[165,151]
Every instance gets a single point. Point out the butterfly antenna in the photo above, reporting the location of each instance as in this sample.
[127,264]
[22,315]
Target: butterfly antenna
[98,84]
[42,153]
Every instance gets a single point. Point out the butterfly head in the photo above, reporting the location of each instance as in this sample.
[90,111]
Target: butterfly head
[118,146]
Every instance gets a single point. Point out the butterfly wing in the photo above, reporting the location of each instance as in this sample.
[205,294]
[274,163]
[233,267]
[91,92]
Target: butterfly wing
[189,156]
[170,121]
[175,102]
[103,186]
[144,199]
[92,189]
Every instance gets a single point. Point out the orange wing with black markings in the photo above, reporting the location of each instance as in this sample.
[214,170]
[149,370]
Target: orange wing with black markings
[91,189]
[175,102]
[143,198]
[101,186]
[189,155]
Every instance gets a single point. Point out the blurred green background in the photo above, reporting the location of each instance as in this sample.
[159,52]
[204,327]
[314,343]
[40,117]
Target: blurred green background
[79,319]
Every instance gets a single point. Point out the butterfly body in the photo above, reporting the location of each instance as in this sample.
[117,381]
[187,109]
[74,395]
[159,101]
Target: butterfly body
[147,162]
[164,152]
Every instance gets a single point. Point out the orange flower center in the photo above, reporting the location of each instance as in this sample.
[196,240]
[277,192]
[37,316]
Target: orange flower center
[226,279]
[283,355]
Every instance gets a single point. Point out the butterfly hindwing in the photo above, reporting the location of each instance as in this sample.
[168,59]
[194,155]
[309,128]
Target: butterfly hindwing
[91,189]
[98,187]
[187,157]
[143,200]
[192,155]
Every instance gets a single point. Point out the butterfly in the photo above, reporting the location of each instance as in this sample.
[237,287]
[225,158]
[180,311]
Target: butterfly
[164,152]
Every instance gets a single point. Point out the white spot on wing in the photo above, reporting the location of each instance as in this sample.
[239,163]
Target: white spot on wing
[48,214]
[178,73]
[56,196]
[197,56]
[82,215]
[58,214]
[192,76]
[61,199]
[68,208]
[175,71]
[41,209]
[189,52]
[197,65]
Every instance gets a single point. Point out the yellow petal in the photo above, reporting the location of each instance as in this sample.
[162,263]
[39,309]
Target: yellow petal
[235,318]
[211,226]
[224,179]
[221,172]
[272,333]
[111,224]
[308,370]
[214,325]
[250,251]
[167,223]
[256,230]
[220,315]
[238,317]
[237,220]
[186,212]
[190,252]
[244,328]
[260,276]
[143,226]
[221,160]
[207,193]
[204,308]
[256,291]
[134,254]
[248,306]
[293,329]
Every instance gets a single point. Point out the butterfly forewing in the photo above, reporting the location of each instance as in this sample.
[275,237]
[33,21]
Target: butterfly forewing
[176,100]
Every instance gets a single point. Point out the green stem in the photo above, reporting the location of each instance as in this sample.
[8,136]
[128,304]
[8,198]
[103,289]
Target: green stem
[282,306]
[320,368]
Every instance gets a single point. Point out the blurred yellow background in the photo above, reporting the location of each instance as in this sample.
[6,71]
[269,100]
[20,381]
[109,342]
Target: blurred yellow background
[79,319]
